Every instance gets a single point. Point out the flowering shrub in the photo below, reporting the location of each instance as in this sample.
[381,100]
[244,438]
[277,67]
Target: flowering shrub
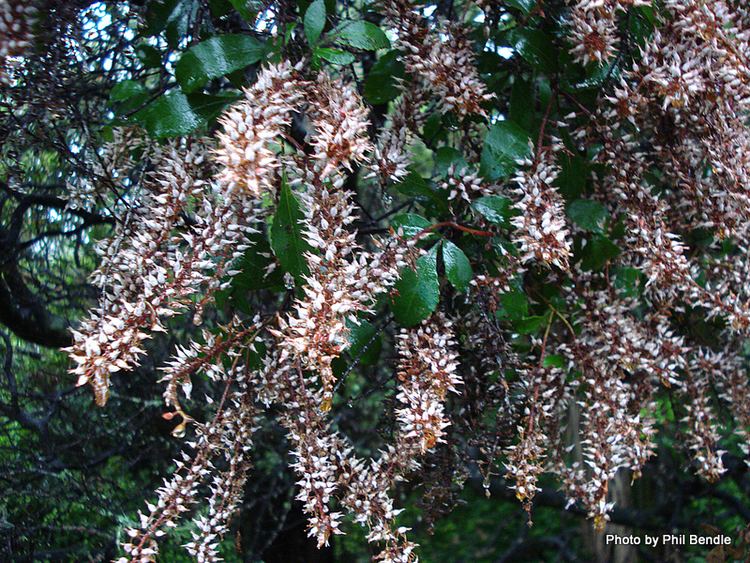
[543,205]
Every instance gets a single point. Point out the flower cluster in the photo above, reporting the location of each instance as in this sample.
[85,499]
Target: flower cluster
[593,28]
[245,151]
[570,358]
[391,155]
[465,187]
[156,262]
[542,387]
[442,59]
[541,232]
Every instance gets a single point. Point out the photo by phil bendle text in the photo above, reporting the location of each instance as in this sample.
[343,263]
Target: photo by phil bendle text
[668,539]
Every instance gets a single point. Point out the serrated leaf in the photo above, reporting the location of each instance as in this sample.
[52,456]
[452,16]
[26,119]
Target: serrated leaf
[588,214]
[457,266]
[381,84]
[365,342]
[287,241]
[417,291]
[505,143]
[494,208]
[335,56]
[315,21]
[362,35]
[410,223]
[215,57]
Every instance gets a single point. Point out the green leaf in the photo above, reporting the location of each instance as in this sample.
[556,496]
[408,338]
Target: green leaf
[253,264]
[445,157]
[597,252]
[531,325]
[315,21]
[125,90]
[417,187]
[411,224]
[362,35]
[242,9]
[365,342]
[515,304]
[381,85]
[171,16]
[217,57]
[335,56]
[414,186]
[572,178]
[457,266]
[588,214]
[505,143]
[536,48]
[522,98]
[524,5]
[127,96]
[494,208]
[417,291]
[211,107]
[176,114]
[553,361]
[148,55]
[629,280]
[287,241]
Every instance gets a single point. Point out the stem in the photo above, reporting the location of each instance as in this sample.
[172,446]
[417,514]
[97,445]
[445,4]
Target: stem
[452,225]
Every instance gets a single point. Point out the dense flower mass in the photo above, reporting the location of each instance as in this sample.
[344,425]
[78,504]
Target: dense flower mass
[556,287]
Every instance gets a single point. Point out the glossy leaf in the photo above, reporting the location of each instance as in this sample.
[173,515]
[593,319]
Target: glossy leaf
[287,241]
[381,84]
[536,48]
[362,35]
[457,266]
[335,56]
[588,214]
[315,21]
[217,57]
[176,114]
[505,143]
[365,342]
[417,291]
[410,223]
[494,208]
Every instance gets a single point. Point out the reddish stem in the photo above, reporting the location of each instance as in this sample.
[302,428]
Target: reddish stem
[452,225]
